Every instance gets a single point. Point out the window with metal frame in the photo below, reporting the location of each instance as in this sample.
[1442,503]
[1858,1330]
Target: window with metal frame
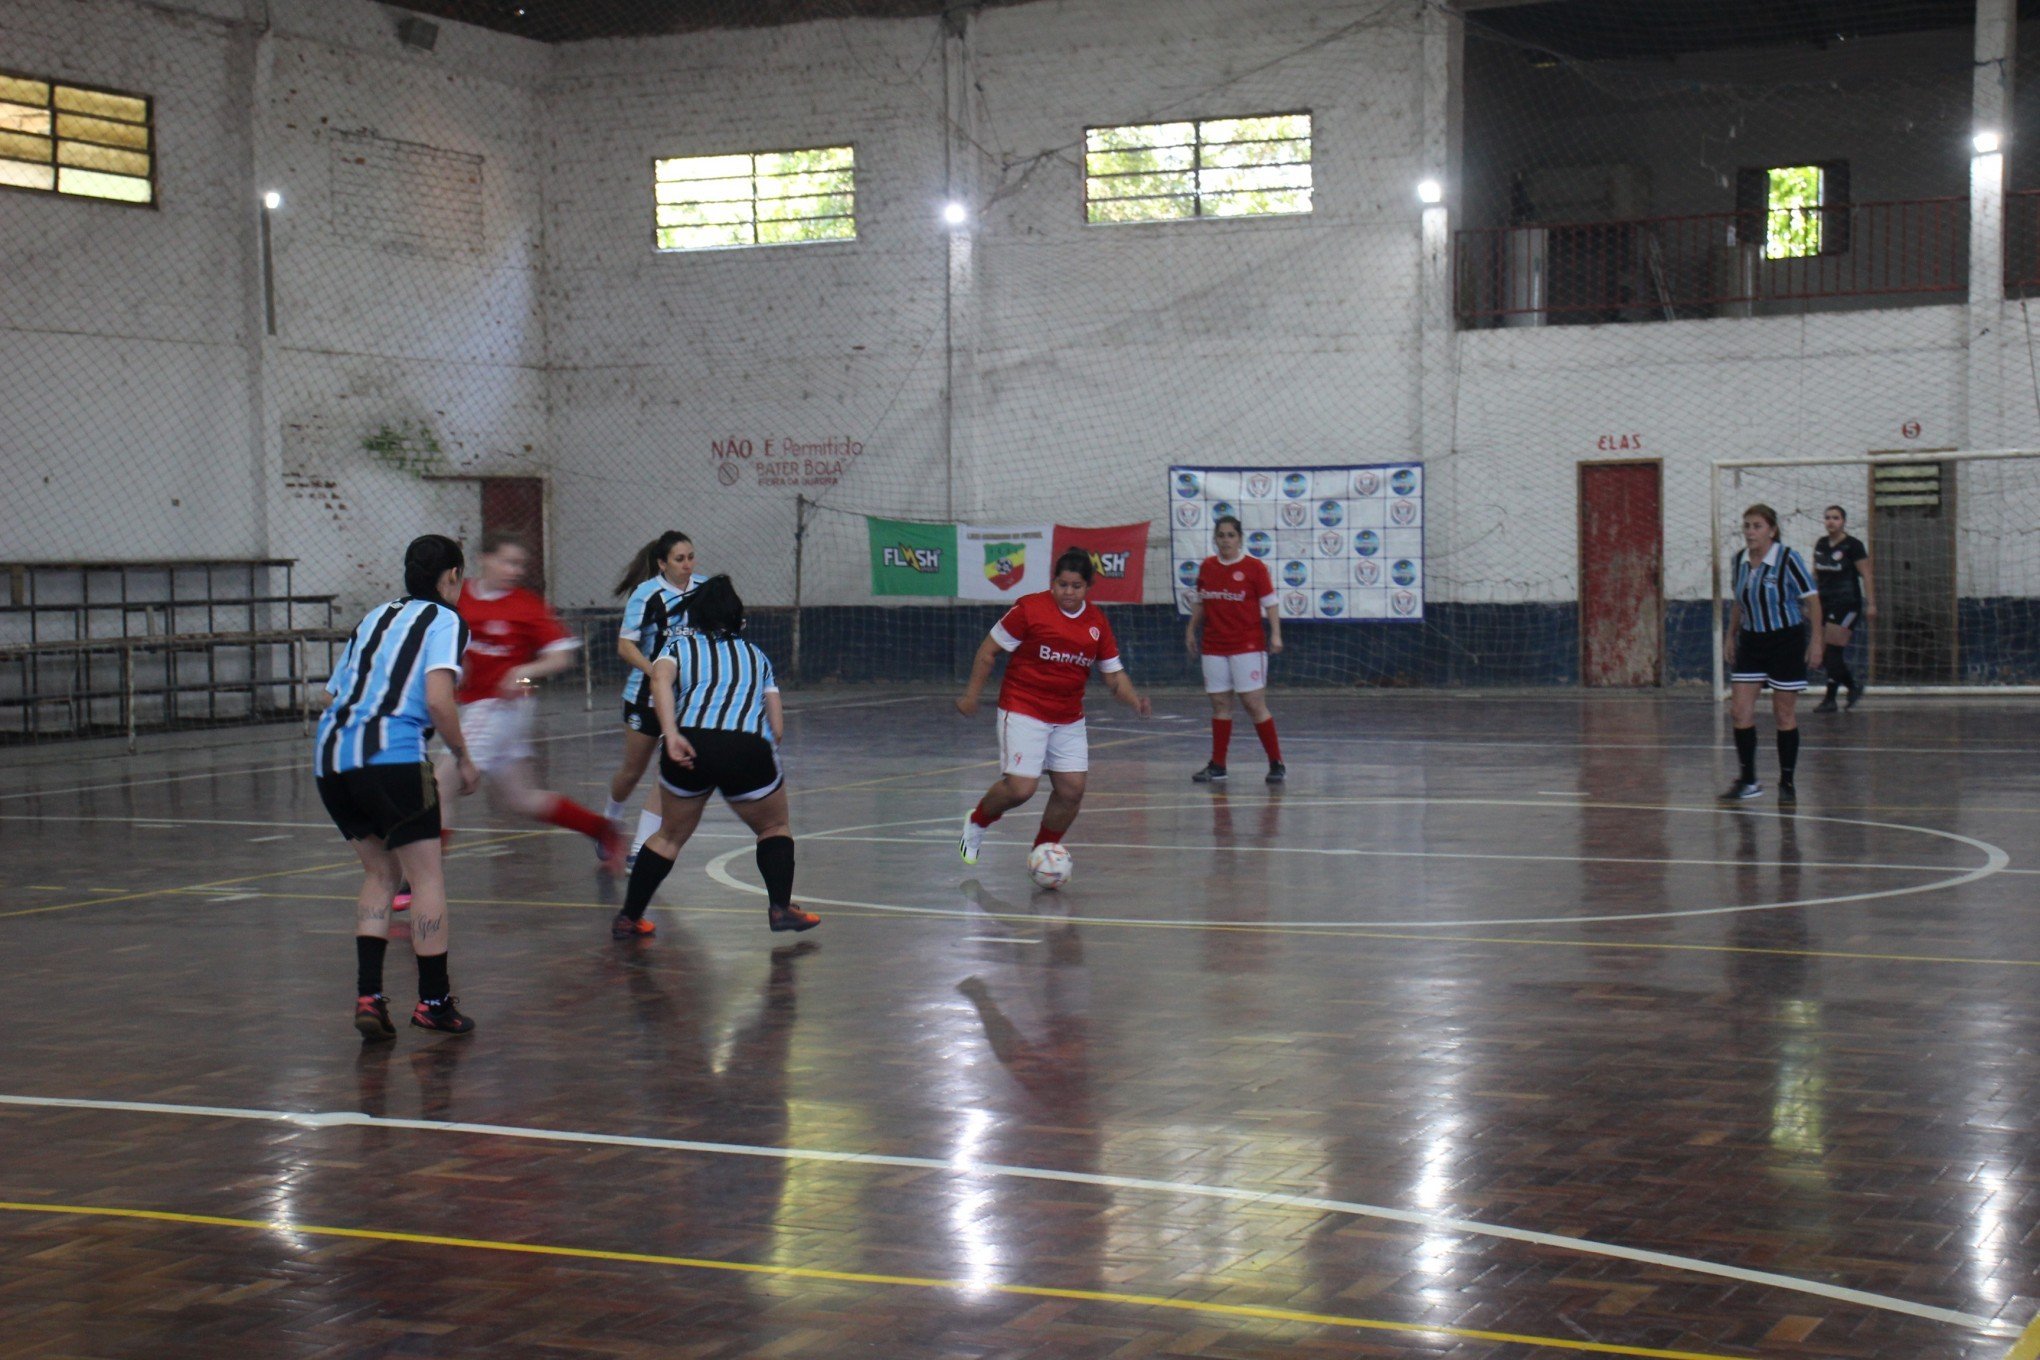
[72,139]
[755,198]
[1216,167]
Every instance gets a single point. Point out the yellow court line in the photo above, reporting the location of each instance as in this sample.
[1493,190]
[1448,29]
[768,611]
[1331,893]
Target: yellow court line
[2027,1347]
[1254,1312]
[246,878]
[920,914]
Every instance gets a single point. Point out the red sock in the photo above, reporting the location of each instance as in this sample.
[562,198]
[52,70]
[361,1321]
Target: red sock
[445,837]
[1221,737]
[565,812]
[979,817]
[1044,836]
[1266,732]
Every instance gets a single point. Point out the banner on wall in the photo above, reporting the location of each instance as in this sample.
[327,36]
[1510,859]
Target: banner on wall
[999,562]
[1343,544]
[911,558]
[1119,553]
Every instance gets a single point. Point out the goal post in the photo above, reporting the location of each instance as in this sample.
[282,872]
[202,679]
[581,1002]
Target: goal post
[1953,537]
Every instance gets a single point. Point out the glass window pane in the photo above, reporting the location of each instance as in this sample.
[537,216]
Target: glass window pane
[703,191]
[701,214]
[22,147]
[1257,203]
[103,130]
[24,118]
[1254,177]
[1136,135]
[1140,186]
[793,209]
[1792,226]
[812,229]
[800,186]
[1144,161]
[704,238]
[100,104]
[24,176]
[107,158]
[701,167]
[1259,129]
[94,184]
[1141,209]
[19,90]
[1257,153]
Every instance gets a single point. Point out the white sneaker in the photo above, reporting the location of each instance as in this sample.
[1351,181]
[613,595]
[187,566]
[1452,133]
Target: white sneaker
[971,841]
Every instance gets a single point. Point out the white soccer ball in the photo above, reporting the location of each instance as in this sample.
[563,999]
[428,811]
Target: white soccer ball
[1050,866]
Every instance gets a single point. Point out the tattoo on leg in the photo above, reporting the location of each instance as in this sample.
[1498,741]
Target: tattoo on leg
[430,927]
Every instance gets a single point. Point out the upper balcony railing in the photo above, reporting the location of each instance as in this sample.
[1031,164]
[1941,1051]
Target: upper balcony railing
[1716,264]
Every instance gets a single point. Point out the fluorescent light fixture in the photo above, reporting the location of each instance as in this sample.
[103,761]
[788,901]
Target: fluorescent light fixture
[272,200]
[1987,142]
[954,213]
[1430,191]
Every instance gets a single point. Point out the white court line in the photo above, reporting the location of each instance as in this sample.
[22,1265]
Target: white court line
[1995,861]
[1479,743]
[964,1167]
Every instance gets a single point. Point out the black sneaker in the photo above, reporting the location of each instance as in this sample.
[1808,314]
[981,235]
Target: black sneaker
[372,1018]
[1826,705]
[1855,695]
[1277,772]
[1787,792]
[441,1016]
[1210,774]
[1741,789]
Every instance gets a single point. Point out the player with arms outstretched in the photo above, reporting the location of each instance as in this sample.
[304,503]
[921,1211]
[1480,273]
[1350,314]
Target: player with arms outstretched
[1233,592]
[1053,641]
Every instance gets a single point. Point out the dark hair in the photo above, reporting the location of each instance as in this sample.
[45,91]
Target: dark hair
[1077,560]
[430,557]
[1233,520]
[644,563]
[1838,510]
[1764,513]
[714,608]
[498,539]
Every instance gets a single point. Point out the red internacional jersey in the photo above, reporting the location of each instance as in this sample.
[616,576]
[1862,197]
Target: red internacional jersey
[1234,595]
[506,631]
[1051,657]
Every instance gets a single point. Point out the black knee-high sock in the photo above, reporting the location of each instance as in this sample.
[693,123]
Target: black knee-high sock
[1788,751]
[432,980]
[1746,751]
[1835,662]
[775,865]
[645,877]
[368,957]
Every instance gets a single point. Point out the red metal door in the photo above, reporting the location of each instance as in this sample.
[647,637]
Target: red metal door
[516,505]
[1622,605]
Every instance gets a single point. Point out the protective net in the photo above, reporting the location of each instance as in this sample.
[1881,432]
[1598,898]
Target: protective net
[884,301]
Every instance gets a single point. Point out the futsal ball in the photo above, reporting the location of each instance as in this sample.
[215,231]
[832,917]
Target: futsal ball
[1049,865]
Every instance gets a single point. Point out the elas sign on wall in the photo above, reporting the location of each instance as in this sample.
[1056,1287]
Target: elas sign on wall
[1000,562]
[1343,544]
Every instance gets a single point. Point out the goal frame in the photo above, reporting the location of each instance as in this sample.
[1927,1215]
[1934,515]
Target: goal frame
[1718,548]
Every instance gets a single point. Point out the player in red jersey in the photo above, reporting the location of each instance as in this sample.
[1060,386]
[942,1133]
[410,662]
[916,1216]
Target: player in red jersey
[1053,641]
[1234,591]
[516,641]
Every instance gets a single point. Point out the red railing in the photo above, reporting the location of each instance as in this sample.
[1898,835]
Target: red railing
[1710,264]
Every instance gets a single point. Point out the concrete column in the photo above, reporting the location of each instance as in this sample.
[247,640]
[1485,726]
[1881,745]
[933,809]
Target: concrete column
[249,74]
[1437,346]
[961,187]
[1991,111]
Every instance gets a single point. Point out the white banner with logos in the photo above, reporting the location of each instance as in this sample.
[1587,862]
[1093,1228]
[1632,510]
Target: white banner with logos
[1343,544]
[1003,562]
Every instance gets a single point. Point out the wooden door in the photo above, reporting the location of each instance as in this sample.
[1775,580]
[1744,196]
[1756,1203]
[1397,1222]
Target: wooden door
[516,505]
[1622,604]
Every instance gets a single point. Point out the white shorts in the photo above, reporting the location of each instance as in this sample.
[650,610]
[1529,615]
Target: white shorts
[1239,674]
[1027,746]
[498,732]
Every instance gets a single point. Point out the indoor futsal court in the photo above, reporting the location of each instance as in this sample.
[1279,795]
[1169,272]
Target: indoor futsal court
[1019,679]
[1487,1035]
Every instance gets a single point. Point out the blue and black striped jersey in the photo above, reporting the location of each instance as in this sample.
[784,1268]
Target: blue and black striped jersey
[378,715]
[1770,592]
[720,683]
[653,613]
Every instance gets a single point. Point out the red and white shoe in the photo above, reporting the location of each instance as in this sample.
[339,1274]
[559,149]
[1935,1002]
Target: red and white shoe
[402,901]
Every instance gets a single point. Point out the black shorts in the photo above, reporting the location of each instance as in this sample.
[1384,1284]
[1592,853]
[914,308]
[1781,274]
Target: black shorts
[741,766]
[1841,613]
[640,716]
[1776,659]
[399,803]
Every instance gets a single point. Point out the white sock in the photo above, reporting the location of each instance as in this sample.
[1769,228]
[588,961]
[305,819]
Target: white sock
[614,810]
[647,827]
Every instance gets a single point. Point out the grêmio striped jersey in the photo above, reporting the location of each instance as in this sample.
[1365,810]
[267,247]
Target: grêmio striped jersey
[378,715]
[653,613]
[720,682]
[1770,592]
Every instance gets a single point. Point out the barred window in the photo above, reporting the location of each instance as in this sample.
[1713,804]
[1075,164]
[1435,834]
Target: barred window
[755,198]
[69,139]
[1220,167]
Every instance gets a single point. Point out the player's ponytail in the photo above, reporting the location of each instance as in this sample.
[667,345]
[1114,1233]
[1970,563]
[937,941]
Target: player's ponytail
[430,557]
[716,609]
[644,563]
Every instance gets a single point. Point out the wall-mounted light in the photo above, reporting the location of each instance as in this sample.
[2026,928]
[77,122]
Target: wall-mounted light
[1987,142]
[955,214]
[272,200]
[1430,191]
